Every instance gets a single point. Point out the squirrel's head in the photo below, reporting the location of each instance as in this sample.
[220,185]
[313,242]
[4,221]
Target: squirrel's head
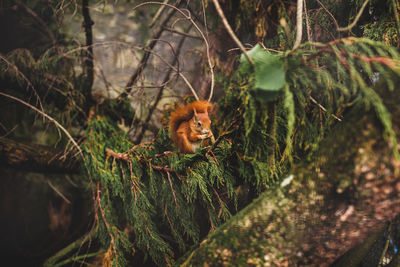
[200,122]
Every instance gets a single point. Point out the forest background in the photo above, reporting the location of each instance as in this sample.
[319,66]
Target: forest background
[304,169]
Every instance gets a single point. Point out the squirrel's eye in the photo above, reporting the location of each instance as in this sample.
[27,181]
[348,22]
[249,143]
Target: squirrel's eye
[198,123]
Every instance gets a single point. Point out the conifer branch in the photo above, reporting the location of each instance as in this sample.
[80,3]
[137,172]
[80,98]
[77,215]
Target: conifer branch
[112,242]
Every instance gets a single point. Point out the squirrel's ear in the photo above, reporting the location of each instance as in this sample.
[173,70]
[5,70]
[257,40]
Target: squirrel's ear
[195,112]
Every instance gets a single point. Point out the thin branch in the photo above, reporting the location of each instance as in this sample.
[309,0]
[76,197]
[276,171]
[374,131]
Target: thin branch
[299,24]
[148,48]
[38,19]
[396,16]
[324,109]
[230,31]
[226,132]
[139,138]
[188,17]
[329,13]
[65,251]
[179,73]
[309,37]
[58,192]
[157,15]
[351,25]
[28,82]
[49,118]
[172,188]
[160,168]
[182,33]
[88,56]
[206,30]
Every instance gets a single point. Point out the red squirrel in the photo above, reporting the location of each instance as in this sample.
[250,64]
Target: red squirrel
[190,125]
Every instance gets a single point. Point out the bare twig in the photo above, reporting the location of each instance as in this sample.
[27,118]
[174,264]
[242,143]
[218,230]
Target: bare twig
[188,17]
[49,118]
[329,13]
[230,31]
[88,55]
[149,47]
[324,109]
[139,138]
[182,33]
[299,24]
[351,25]
[157,15]
[226,132]
[396,16]
[309,37]
[39,20]
[58,192]
[28,82]
[179,73]
[172,189]
[206,30]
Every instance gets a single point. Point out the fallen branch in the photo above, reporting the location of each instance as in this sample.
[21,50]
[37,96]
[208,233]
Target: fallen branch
[59,126]
[36,158]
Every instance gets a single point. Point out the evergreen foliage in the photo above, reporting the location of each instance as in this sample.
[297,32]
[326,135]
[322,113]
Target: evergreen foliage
[152,199]
[149,188]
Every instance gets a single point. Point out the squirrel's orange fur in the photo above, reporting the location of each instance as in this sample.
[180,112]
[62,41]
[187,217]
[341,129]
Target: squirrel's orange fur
[190,125]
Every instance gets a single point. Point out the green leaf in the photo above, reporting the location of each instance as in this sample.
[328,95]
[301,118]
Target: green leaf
[268,72]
